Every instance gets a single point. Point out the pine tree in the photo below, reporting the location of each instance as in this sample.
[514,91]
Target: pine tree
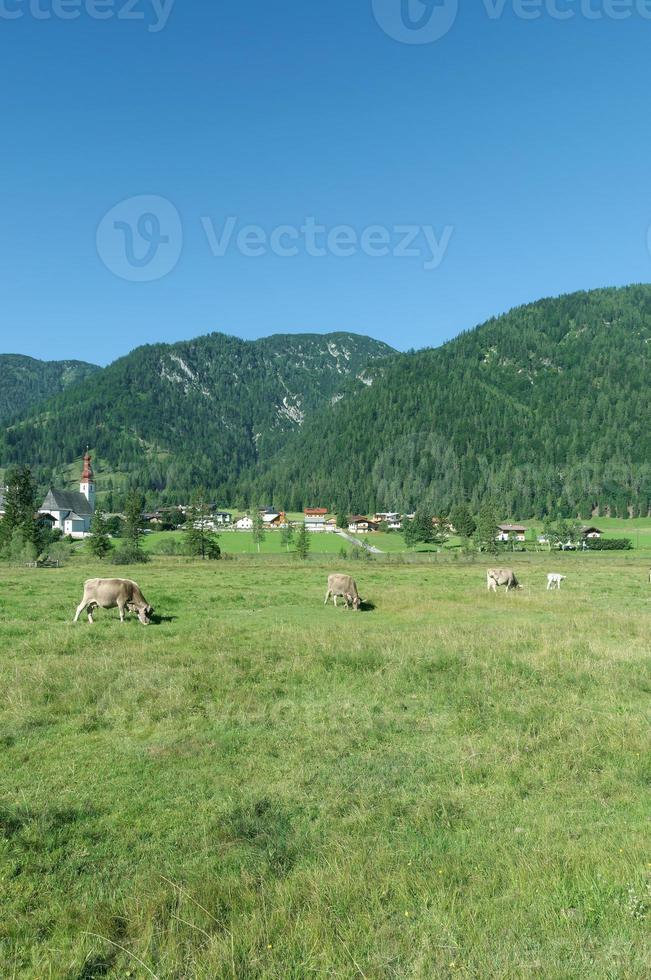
[20,508]
[486,533]
[99,541]
[131,551]
[303,543]
[200,539]
[462,521]
[421,530]
[410,533]
[424,522]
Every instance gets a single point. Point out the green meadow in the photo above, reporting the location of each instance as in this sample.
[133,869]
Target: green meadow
[447,784]
[242,543]
[392,543]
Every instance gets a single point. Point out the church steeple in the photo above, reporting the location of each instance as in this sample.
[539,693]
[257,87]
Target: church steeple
[87,485]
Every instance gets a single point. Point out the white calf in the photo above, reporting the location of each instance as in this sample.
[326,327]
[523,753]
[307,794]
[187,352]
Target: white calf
[554,580]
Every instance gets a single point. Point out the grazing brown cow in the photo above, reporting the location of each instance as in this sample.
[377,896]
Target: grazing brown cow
[343,585]
[111,592]
[501,576]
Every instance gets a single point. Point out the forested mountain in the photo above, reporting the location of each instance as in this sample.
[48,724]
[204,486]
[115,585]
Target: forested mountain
[169,418]
[547,409]
[26,382]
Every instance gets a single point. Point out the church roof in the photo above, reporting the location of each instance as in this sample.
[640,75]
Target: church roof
[69,500]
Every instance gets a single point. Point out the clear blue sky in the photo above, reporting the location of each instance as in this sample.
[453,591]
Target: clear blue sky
[530,138]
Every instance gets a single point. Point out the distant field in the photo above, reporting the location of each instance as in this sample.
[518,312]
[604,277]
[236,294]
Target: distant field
[241,542]
[449,784]
[328,543]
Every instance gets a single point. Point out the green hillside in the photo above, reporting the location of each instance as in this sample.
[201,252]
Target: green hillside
[546,408]
[26,382]
[170,417]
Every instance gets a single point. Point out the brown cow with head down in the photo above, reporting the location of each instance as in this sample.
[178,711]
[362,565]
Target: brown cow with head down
[111,592]
[501,576]
[343,585]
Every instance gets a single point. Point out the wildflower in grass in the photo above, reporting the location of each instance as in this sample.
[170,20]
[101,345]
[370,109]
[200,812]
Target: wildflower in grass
[637,906]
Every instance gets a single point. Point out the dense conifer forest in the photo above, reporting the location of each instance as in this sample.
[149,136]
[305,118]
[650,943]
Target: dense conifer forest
[26,382]
[168,418]
[545,409]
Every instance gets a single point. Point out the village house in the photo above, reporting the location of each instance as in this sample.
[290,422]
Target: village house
[274,520]
[2,502]
[315,511]
[591,532]
[391,519]
[244,523]
[71,512]
[511,532]
[222,517]
[315,522]
[359,524]
[153,517]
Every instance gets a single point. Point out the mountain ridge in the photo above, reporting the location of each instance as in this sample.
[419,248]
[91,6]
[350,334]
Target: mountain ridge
[27,381]
[177,416]
[544,408]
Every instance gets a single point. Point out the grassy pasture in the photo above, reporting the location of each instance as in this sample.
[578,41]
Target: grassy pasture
[449,784]
[241,542]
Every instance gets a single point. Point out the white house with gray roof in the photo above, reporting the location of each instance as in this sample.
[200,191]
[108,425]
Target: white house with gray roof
[73,511]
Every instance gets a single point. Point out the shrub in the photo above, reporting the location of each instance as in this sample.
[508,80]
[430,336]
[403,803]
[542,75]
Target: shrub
[609,544]
[59,551]
[170,546]
[127,554]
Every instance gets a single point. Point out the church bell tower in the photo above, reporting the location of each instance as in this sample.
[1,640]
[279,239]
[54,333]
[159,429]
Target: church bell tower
[87,485]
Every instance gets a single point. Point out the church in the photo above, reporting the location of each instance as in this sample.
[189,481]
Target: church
[72,512]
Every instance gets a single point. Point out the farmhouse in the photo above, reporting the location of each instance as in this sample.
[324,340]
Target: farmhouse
[244,524]
[274,520]
[315,511]
[315,522]
[591,532]
[511,532]
[358,524]
[390,518]
[70,511]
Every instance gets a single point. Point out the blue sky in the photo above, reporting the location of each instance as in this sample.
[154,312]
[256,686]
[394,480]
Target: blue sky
[519,146]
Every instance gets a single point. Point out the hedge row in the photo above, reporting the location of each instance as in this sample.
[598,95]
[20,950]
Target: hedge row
[609,544]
